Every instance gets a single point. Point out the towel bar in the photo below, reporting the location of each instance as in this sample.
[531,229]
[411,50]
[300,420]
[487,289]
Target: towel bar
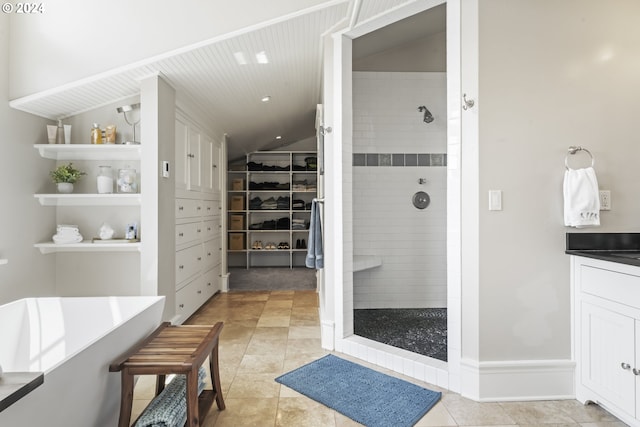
[573,150]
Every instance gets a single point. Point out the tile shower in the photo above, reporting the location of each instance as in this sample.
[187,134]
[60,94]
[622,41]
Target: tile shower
[396,153]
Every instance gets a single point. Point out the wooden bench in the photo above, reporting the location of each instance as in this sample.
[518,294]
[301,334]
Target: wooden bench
[174,350]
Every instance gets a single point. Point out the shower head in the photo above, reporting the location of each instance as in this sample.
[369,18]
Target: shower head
[428,117]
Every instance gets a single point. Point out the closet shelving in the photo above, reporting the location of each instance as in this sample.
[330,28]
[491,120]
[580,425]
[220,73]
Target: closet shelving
[271,191]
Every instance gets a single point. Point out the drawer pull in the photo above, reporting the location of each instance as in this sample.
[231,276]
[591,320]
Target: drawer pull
[625,366]
[199,291]
[191,156]
[199,258]
[209,284]
[208,228]
[636,371]
[180,208]
[181,306]
[215,166]
[181,234]
[199,231]
[181,267]
[199,207]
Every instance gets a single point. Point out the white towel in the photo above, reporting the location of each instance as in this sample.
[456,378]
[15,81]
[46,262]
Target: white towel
[581,198]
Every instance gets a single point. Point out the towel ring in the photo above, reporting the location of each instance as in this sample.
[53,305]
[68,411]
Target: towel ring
[573,150]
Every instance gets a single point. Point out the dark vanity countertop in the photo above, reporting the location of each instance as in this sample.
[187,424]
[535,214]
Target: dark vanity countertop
[15,385]
[623,248]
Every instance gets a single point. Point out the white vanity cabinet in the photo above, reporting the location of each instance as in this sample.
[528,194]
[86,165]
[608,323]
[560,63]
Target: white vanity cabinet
[198,217]
[607,335]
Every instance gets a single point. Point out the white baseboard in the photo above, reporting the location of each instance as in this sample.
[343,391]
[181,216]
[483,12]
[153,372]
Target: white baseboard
[224,278]
[518,380]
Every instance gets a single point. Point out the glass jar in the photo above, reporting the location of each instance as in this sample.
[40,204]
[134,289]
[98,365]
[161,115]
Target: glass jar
[96,134]
[127,181]
[105,180]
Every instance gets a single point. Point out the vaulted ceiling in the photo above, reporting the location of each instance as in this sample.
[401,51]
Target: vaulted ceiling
[227,79]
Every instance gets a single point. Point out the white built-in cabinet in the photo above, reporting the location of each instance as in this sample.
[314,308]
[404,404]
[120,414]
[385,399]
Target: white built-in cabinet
[607,335]
[198,228]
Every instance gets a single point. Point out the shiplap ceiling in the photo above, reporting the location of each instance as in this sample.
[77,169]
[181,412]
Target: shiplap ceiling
[214,79]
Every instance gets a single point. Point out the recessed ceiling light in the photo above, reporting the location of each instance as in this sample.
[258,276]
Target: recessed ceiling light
[262,57]
[278,137]
[240,58]
[266,99]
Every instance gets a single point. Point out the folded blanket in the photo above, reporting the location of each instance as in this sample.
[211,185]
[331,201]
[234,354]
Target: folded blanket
[169,408]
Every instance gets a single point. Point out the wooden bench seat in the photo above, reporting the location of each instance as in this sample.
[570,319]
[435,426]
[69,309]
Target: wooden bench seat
[174,350]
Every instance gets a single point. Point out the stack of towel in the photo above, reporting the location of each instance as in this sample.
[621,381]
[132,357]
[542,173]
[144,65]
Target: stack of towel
[67,234]
[581,198]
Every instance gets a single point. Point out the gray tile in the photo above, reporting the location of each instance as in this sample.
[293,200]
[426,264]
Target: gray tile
[359,159]
[397,159]
[372,159]
[469,413]
[411,160]
[384,160]
[424,160]
[437,159]
[543,412]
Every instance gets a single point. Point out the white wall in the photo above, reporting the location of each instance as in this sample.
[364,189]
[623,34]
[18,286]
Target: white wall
[577,82]
[72,39]
[412,242]
[424,54]
[23,221]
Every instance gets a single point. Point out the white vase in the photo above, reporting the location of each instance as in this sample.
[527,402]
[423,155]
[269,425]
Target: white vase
[65,187]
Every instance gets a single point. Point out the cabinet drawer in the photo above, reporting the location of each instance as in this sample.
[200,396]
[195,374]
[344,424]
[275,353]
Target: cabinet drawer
[614,286]
[189,232]
[188,208]
[189,298]
[211,253]
[211,228]
[188,262]
[211,207]
[211,281]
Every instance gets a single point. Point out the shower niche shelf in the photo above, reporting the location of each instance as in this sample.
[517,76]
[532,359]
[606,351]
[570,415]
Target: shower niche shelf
[270,203]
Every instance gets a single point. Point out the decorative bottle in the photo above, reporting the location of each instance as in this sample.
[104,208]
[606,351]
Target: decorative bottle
[96,134]
[60,133]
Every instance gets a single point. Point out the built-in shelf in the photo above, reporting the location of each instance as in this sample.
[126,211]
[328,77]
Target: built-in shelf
[87,246]
[89,151]
[3,261]
[366,262]
[88,199]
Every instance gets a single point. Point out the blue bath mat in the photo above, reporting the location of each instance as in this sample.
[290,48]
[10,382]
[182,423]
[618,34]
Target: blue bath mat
[362,394]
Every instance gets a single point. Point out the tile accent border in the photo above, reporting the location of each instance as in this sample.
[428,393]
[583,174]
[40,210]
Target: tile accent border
[399,159]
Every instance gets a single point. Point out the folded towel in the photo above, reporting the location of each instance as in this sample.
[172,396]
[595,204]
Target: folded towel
[581,198]
[315,255]
[169,408]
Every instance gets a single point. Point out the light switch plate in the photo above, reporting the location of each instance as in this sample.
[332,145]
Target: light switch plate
[495,200]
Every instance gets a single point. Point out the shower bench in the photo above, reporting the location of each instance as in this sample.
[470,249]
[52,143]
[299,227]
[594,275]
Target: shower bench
[365,262]
[174,350]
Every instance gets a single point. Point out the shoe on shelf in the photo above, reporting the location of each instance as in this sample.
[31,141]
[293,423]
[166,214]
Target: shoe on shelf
[270,245]
[298,244]
[303,244]
[257,245]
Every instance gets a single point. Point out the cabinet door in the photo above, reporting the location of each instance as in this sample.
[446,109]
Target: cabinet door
[194,156]
[216,169]
[608,353]
[206,165]
[182,150]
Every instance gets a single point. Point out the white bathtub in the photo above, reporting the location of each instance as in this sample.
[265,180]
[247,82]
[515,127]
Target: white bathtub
[73,341]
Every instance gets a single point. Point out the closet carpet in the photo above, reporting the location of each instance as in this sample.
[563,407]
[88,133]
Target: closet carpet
[272,279]
[419,330]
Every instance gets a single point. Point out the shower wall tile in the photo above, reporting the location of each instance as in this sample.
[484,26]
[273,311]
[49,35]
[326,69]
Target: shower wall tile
[412,244]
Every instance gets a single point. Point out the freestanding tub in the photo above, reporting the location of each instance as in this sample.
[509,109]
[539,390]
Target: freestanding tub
[73,341]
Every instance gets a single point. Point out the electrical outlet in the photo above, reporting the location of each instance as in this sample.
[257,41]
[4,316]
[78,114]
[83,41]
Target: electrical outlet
[605,200]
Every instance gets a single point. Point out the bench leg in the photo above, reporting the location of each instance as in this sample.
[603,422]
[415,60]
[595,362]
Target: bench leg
[192,399]
[215,376]
[160,382]
[126,399]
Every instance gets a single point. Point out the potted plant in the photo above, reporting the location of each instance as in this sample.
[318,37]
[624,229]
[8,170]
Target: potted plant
[64,176]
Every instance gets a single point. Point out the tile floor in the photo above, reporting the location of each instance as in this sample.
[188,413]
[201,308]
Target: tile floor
[269,333]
